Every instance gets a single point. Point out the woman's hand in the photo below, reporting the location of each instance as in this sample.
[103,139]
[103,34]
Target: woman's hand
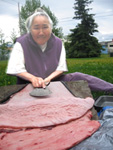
[52,76]
[38,82]
[47,81]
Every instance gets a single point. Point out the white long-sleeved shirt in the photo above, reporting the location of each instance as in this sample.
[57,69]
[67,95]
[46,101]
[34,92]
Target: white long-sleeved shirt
[16,62]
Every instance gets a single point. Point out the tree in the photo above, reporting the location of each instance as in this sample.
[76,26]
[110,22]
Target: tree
[83,43]
[57,31]
[26,11]
[4,51]
[29,8]
[13,36]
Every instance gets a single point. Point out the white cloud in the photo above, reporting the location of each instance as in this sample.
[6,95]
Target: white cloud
[7,25]
[104,25]
[64,11]
[104,37]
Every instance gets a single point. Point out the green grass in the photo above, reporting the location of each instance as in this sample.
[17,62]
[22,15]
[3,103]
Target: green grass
[101,67]
[4,78]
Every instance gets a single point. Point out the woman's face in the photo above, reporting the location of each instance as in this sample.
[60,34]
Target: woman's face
[41,29]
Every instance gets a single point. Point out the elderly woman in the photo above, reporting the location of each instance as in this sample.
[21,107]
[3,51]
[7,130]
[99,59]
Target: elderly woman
[39,57]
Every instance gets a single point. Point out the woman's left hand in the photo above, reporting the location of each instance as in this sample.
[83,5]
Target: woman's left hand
[47,81]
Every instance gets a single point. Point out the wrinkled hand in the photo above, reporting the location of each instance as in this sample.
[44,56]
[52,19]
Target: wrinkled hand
[47,81]
[38,82]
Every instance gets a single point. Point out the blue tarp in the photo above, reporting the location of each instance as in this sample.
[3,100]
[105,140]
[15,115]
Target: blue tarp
[103,138]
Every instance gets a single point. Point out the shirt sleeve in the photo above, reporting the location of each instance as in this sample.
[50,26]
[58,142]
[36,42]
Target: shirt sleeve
[16,63]
[62,66]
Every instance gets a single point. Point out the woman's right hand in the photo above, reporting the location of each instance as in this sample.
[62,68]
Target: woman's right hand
[38,82]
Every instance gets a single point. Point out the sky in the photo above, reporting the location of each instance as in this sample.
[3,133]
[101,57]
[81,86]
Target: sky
[63,10]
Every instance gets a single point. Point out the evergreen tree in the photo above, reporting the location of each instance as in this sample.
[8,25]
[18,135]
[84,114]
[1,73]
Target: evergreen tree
[29,8]
[83,43]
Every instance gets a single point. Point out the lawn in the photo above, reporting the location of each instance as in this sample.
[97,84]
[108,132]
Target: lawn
[101,67]
[4,78]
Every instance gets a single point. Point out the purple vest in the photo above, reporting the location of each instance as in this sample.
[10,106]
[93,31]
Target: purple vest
[38,63]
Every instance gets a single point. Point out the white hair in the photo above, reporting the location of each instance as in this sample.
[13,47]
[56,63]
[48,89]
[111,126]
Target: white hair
[38,12]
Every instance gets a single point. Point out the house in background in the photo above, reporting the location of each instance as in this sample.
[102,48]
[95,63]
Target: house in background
[110,48]
[107,45]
